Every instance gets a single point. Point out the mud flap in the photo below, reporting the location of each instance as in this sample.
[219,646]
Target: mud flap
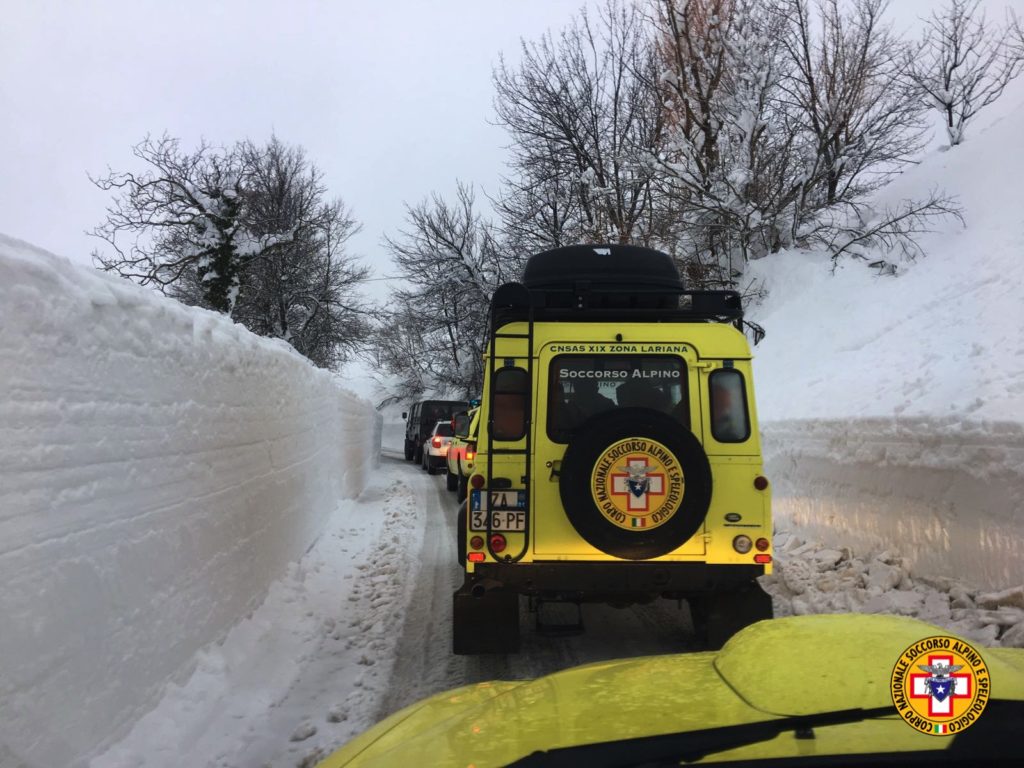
[720,615]
[485,620]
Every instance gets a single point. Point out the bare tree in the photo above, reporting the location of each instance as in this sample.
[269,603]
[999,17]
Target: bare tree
[247,231]
[963,64]
[730,158]
[303,288]
[583,113]
[450,260]
[850,91]
[782,119]
[182,213]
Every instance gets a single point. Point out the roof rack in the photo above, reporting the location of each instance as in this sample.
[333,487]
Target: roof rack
[583,283]
[587,303]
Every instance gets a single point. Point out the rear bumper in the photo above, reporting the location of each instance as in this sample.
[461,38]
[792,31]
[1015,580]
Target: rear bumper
[608,581]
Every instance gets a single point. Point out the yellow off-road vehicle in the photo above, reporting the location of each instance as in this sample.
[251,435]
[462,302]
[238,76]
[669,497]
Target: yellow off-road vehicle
[618,457]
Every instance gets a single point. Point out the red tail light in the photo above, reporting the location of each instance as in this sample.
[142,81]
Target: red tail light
[475,557]
[436,442]
[477,542]
[761,544]
[477,481]
[498,542]
[762,558]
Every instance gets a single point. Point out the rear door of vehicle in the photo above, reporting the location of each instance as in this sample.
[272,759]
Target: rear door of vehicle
[670,368]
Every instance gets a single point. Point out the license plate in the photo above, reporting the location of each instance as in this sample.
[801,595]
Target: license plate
[507,509]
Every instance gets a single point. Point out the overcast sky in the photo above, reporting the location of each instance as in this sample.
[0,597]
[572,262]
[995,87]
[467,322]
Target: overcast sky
[391,98]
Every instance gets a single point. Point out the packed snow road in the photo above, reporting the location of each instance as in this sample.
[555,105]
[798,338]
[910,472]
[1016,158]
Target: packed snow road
[361,627]
[424,663]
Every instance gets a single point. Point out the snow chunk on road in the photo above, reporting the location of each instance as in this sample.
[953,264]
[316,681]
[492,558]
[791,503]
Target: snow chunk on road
[811,578]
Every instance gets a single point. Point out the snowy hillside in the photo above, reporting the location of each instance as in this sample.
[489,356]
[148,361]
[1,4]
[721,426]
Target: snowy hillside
[893,408]
[159,468]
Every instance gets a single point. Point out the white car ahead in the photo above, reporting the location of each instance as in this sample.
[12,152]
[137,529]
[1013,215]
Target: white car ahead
[435,449]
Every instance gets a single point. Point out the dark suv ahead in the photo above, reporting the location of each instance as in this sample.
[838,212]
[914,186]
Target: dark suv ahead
[420,421]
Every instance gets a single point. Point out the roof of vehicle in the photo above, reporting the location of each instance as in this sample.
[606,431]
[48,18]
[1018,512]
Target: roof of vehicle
[777,668]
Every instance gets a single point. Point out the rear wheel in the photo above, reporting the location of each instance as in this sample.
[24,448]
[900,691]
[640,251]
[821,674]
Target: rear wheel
[417,455]
[451,482]
[463,490]
[409,450]
[423,461]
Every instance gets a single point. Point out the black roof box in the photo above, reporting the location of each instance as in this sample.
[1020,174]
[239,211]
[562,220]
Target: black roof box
[621,268]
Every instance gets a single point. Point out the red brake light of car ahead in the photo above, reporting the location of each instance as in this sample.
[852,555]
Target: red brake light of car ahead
[436,442]
[477,481]
[475,557]
[762,558]
[498,542]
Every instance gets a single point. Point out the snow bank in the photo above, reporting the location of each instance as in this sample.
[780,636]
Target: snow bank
[893,408]
[945,495]
[159,468]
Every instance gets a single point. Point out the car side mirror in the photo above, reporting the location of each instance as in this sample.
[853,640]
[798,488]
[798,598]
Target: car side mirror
[405,415]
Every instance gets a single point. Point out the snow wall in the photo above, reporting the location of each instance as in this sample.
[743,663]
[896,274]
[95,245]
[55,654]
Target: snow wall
[892,409]
[159,467]
[945,496]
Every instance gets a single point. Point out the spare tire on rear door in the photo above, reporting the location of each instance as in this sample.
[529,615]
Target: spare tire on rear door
[635,483]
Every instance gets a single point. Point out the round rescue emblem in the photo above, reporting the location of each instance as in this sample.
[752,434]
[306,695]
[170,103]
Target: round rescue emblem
[940,685]
[637,484]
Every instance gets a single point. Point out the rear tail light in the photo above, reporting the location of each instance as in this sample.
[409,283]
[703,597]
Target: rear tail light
[470,451]
[761,544]
[760,482]
[742,544]
[477,542]
[477,481]
[475,557]
[498,543]
[436,442]
[762,558]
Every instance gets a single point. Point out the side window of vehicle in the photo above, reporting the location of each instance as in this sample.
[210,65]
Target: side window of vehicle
[730,419]
[511,387]
[461,425]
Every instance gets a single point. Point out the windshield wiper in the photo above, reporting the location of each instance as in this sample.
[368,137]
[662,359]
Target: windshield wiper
[687,746]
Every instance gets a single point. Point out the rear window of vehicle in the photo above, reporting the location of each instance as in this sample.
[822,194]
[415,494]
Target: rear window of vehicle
[462,421]
[443,430]
[581,386]
[439,411]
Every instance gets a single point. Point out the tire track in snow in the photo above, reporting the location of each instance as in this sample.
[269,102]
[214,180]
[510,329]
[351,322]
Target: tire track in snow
[425,664]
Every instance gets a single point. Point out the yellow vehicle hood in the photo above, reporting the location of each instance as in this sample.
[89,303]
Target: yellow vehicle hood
[791,666]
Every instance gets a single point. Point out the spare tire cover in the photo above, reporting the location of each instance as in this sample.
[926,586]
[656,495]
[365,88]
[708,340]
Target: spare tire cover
[635,483]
